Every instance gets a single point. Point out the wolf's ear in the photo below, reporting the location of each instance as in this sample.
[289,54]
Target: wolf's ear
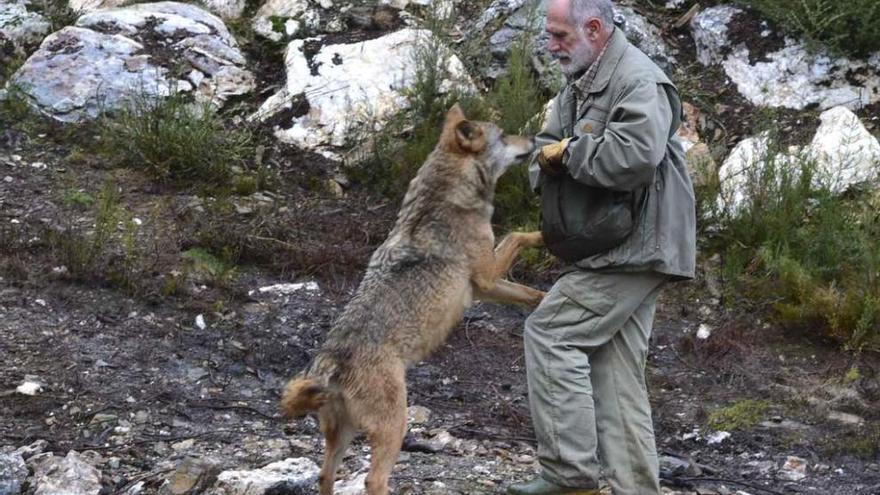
[469,137]
[454,115]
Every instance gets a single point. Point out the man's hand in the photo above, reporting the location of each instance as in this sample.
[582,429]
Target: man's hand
[550,157]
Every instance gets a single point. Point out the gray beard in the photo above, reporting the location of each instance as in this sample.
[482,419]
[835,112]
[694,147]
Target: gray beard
[581,58]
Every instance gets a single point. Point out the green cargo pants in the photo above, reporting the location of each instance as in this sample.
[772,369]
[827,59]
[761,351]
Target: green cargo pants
[585,348]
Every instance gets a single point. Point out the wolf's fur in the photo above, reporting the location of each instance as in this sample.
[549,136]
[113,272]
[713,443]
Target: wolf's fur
[435,261]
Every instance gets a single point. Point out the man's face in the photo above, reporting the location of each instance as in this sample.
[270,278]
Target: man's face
[568,43]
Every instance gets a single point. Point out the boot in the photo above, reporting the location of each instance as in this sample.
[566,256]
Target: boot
[540,486]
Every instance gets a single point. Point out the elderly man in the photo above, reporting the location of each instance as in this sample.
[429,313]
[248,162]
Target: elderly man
[617,203]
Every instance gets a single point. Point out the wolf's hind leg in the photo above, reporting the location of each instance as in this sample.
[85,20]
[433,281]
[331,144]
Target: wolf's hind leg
[338,434]
[384,421]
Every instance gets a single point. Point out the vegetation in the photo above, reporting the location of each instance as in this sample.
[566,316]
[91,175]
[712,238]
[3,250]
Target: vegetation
[176,140]
[740,415]
[809,254]
[845,27]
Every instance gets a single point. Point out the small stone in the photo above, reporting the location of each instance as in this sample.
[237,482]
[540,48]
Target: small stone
[200,322]
[417,415]
[794,469]
[103,418]
[193,475]
[35,448]
[184,445]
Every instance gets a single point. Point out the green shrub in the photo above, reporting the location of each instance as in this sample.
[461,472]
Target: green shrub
[740,415]
[174,139]
[845,27]
[809,254]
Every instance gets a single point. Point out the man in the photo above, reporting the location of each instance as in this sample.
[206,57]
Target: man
[611,131]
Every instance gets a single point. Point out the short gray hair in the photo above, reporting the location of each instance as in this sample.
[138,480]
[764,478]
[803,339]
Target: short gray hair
[581,10]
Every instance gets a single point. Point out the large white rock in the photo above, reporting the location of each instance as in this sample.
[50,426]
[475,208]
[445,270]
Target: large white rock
[13,472]
[843,151]
[22,27]
[280,19]
[227,9]
[70,475]
[791,77]
[709,29]
[111,55]
[348,87]
[291,474]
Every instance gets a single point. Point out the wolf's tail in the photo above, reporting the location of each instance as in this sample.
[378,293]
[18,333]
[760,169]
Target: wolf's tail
[302,396]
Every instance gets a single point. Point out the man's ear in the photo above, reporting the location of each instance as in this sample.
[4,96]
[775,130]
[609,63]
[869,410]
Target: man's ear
[469,137]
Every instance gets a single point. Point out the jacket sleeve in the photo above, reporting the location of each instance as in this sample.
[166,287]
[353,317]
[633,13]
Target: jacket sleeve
[632,144]
[550,133]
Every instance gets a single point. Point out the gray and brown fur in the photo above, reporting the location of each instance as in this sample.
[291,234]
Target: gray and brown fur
[439,257]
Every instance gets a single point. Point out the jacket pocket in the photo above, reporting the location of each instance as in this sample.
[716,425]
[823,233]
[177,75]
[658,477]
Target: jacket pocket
[592,122]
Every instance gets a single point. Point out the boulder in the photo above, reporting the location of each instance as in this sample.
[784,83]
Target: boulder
[22,28]
[341,90]
[287,476]
[843,151]
[789,76]
[285,19]
[70,475]
[145,50]
[13,472]
[227,9]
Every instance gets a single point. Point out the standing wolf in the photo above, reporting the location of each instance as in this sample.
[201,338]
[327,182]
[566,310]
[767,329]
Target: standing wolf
[436,260]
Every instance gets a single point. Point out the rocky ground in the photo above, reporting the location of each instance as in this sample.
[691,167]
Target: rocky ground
[132,369]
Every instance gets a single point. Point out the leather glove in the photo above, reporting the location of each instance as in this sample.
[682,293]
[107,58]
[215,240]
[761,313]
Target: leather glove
[550,157]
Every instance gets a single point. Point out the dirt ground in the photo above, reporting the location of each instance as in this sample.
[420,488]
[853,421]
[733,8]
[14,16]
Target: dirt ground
[128,370]
[136,379]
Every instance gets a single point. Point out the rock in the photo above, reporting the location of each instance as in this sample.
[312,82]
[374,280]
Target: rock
[349,88]
[791,76]
[644,35]
[192,475]
[226,9]
[351,486]
[144,50]
[13,472]
[280,19]
[288,289]
[704,332]
[794,469]
[70,475]
[701,165]
[24,29]
[846,418]
[843,151]
[717,437]
[287,476]
[37,447]
[417,415]
[30,386]
[709,29]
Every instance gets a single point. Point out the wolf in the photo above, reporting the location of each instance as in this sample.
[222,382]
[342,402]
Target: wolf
[437,259]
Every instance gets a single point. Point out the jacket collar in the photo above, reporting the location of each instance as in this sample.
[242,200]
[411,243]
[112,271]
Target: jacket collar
[614,51]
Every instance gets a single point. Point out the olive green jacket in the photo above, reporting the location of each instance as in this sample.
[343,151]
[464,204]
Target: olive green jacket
[624,139]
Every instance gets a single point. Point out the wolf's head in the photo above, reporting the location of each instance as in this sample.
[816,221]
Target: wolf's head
[482,145]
